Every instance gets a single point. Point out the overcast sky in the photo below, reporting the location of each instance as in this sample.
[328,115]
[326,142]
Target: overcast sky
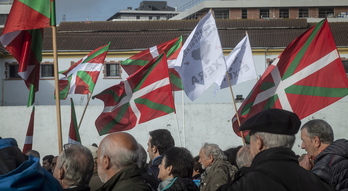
[101,10]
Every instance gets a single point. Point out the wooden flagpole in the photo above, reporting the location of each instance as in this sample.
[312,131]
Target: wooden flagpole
[84,111]
[235,106]
[56,79]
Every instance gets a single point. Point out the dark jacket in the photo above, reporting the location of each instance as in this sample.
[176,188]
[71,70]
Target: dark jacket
[276,169]
[219,173]
[181,184]
[128,179]
[331,165]
[79,188]
[152,173]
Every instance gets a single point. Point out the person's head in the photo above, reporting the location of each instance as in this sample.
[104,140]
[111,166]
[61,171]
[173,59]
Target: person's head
[271,128]
[94,151]
[176,162]
[34,153]
[47,162]
[244,157]
[210,153]
[142,156]
[231,154]
[197,167]
[116,152]
[159,142]
[74,166]
[54,163]
[316,135]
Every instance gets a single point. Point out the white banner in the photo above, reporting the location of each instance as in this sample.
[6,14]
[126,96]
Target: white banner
[201,61]
[240,65]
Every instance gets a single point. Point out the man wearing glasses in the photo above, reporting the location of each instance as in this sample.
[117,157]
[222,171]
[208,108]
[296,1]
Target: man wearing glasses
[74,168]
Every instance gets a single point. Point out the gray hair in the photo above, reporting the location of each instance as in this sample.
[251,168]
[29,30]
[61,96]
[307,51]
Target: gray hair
[214,150]
[77,162]
[120,157]
[276,140]
[142,156]
[244,157]
[320,128]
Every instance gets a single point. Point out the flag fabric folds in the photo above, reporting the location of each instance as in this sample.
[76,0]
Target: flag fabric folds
[74,135]
[22,37]
[240,65]
[145,95]
[306,77]
[170,48]
[82,77]
[201,60]
[28,143]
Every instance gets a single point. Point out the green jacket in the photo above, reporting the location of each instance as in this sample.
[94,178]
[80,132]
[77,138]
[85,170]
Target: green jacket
[128,179]
[219,173]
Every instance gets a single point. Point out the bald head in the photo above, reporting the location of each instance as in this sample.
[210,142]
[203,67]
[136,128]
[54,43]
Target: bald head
[116,152]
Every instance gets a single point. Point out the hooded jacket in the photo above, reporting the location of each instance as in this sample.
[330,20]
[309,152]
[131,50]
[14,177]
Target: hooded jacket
[27,175]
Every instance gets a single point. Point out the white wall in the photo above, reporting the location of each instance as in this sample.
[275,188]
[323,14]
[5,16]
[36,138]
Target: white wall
[204,122]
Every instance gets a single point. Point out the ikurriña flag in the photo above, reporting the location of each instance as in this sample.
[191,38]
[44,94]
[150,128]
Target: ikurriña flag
[170,48]
[201,61]
[74,135]
[306,77]
[22,37]
[145,95]
[82,77]
[28,143]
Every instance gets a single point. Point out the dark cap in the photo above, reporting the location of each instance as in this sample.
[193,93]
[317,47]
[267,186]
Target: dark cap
[275,121]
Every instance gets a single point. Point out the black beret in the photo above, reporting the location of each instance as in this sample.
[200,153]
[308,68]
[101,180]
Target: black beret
[275,121]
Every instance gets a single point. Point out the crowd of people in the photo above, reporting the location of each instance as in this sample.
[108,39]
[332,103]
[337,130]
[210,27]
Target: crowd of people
[120,163]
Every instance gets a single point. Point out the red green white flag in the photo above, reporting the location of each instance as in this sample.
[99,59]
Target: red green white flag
[22,37]
[170,48]
[306,77]
[74,135]
[28,143]
[145,95]
[82,77]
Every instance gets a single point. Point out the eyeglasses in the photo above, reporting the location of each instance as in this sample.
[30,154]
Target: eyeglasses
[65,147]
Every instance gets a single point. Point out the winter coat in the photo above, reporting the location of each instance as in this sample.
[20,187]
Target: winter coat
[181,184]
[219,173]
[151,177]
[331,165]
[276,169]
[25,176]
[128,179]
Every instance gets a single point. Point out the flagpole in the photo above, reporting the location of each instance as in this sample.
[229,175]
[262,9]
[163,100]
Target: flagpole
[235,106]
[84,111]
[56,79]
[183,116]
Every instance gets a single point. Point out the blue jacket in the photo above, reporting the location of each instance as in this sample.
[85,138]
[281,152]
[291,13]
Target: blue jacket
[29,175]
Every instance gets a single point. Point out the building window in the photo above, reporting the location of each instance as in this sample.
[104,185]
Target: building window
[222,14]
[112,69]
[284,13]
[345,65]
[150,17]
[326,12]
[138,17]
[264,13]
[47,71]
[244,13]
[303,13]
[13,71]
[158,17]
